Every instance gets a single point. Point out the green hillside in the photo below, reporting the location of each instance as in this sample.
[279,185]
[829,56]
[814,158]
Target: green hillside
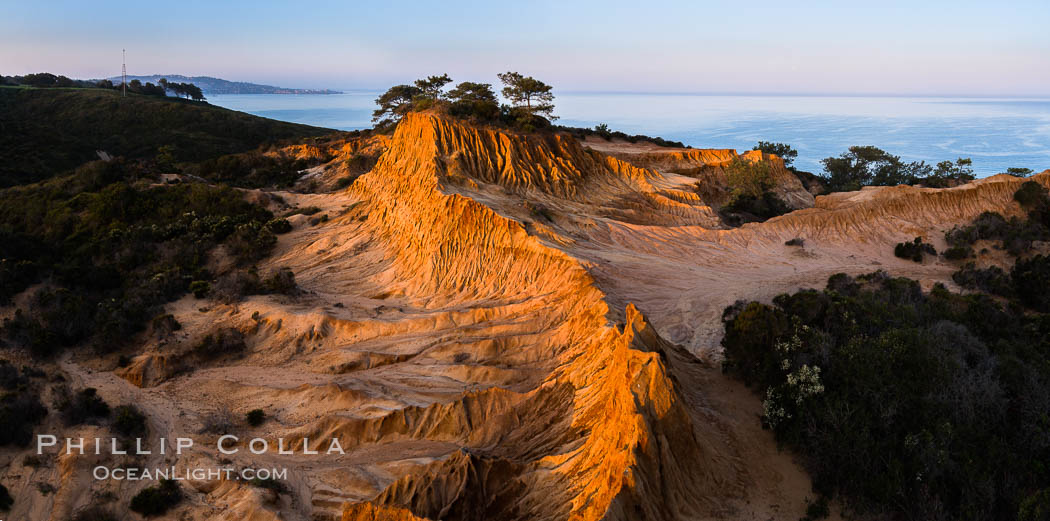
[44,132]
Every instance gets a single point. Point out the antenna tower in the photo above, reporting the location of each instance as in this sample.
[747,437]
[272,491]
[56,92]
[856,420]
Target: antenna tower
[123,73]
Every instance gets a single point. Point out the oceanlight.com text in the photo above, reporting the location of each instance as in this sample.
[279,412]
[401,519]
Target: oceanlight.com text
[193,474]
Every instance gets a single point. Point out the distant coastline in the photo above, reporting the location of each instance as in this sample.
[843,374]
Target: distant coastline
[212,85]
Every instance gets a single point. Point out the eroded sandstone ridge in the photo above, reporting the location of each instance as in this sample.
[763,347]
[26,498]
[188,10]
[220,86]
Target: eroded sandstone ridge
[505,326]
[595,424]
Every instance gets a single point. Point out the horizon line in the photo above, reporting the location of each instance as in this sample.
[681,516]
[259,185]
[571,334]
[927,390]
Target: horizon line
[803,94]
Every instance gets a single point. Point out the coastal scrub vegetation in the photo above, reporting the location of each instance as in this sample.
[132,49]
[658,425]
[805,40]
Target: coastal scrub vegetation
[255,417]
[907,404]
[5,499]
[49,132]
[751,193]
[1015,235]
[81,407]
[20,407]
[254,169]
[603,131]
[914,250]
[104,249]
[864,166]
[1019,172]
[95,513]
[158,499]
[782,150]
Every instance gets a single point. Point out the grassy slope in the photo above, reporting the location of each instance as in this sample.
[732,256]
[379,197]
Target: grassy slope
[44,132]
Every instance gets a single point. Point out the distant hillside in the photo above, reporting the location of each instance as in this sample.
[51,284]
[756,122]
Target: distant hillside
[44,132]
[220,86]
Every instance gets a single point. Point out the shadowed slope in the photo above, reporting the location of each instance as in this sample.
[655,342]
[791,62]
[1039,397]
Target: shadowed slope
[44,132]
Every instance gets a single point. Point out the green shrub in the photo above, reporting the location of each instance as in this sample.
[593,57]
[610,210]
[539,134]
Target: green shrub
[750,332]
[200,288]
[255,417]
[990,280]
[20,411]
[907,404]
[818,509]
[84,406]
[869,166]
[748,208]
[114,254]
[5,499]
[1016,235]
[95,513]
[1035,507]
[1031,194]
[157,500]
[1019,172]
[49,132]
[782,150]
[165,323]
[250,242]
[254,169]
[269,484]
[282,282]
[958,253]
[225,341]
[1031,278]
[279,225]
[10,379]
[306,210]
[749,178]
[602,130]
[359,163]
[220,421]
[914,250]
[129,421]
[608,134]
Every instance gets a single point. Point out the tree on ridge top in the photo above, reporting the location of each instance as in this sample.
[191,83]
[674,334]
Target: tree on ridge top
[394,103]
[532,101]
[402,99]
[529,94]
[475,100]
[431,86]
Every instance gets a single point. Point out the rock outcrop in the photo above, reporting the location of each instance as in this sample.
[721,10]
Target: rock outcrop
[602,429]
[708,166]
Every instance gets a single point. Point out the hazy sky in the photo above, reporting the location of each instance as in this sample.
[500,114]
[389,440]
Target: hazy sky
[915,47]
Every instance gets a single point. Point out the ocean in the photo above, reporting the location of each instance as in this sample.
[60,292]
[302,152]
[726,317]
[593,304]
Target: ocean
[996,133]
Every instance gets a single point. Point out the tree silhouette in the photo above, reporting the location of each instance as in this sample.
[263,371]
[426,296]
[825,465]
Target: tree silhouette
[528,93]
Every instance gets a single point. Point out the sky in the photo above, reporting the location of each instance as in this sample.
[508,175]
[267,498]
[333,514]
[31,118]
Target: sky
[926,48]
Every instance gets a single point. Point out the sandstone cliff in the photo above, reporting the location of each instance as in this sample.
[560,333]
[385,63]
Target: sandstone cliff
[707,165]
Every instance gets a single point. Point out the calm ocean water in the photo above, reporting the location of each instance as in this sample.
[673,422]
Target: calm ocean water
[995,133]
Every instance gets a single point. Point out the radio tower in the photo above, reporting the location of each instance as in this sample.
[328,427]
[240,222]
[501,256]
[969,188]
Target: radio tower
[123,74]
